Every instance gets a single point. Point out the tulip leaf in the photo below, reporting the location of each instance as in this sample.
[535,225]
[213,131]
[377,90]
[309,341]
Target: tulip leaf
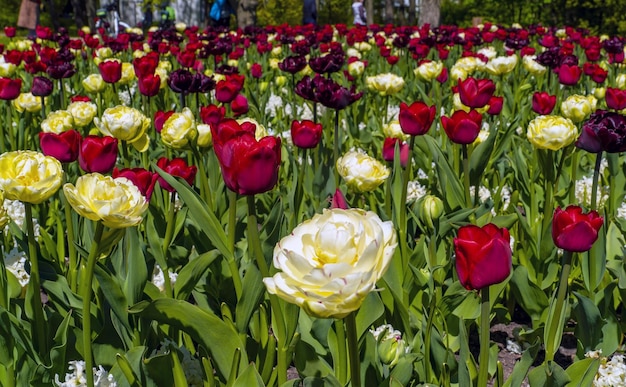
[448,179]
[523,365]
[548,374]
[249,378]
[480,157]
[371,309]
[216,336]
[528,295]
[198,211]
[192,272]
[252,292]
[583,372]
[112,291]
[137,272]
[589,322]
[593,262]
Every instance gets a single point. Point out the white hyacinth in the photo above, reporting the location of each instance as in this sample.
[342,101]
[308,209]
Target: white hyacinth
[190,364]
[159,280]
[612,373]
[77,378]
[415,191]
[14,261]
[17,212]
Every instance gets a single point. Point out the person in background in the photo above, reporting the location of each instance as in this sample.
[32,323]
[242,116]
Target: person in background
[29,16]
[360,18]
[168,15]
[309,12]
[220,13]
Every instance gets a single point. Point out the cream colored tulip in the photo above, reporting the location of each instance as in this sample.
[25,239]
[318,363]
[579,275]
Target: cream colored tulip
[578,107]
[93,83]
[179,130]
[551,132]
[361,172]
[58,121]
[29,176]
[126,124]
[27,102]
[429,70]
[83,112]
[385,84]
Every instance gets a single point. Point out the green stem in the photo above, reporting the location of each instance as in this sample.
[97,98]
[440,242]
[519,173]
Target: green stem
[71,249]
[299,188]
[125,154]
[594,186]
[204,181]
[255,244]
[353,348]
[336,141]
[38,326]
[402,213]
[232,223]
[427,335]
[572,191]
[85,291]
[167,240]
[9,126]
[4,286]
[466,177]
[483,365]
[555,327]
[341,368]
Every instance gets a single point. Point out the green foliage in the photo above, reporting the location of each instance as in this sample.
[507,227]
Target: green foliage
[275,12]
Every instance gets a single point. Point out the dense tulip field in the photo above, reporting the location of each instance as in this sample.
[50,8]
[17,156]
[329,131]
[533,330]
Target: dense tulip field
[287,206]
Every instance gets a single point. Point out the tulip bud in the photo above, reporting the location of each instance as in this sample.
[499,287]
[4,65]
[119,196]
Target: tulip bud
[391,347]
[432,209]
[280,80]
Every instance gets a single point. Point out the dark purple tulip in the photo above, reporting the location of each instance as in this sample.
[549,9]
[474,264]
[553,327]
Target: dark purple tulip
[200,83]
[333,95]
[180,80]
[603,131]
[293,64]
[305,89]
[61,70]
[42,87]
[330,63]
[613,45]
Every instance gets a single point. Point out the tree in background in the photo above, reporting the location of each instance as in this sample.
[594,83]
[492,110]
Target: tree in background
[430,12]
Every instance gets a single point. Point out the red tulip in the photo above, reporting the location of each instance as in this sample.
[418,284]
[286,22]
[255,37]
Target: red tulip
[212,114]
[483,255]
[256,71]
[63,146]
[176,167]
[226,90]
[9,31]
[141,178]
[495,105]
[186,58]
[476,93]
[569,74]
[543,103]
[159,119]
[306,134]
[111,71]
[595,72]
[97,154]
[248,166]
[389,148]
[416,119]
[462,127]
[14,56]
[146,65]
[239,105]
[149,85]
[10,88]
[574,231]
[615,98]
[339,200]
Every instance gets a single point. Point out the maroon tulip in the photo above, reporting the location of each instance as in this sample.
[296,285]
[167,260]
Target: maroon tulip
[226,90]
[483,255]
[239,105]
[495,105]
[573,230]
[62,146]
[14,57]
[186,58]
[339,200]
[389,148]
[248,166]
[569,74]
[256,71]
[543,103]
[293,64]
[603,131]
[615,98]
[41,87]
[180,80]
[149,85]
[476,93]
[176,167]
[9,31]
[416,119]
[159,119]
[97,154]
[462,127]
[306,134]
[212,114]
[143,179]
[111,71]
[10,88]
[146,65]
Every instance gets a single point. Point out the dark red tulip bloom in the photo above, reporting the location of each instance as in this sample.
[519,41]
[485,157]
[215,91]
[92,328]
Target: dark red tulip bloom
[180,80]
[62,146]
[462,127]
[80,98]
[146,65]
[186,58]
[212,114]
[61,70]
[327,64]
[248,166]
[9,31]
[159,119]
[10,88]
[573,230]
[41,87]
[476,93]
[141,178]
[603,131]
[293,64]
[339,200]
[97,154]
[14,57]
[543,103]
[615,98]
[569,74]
[200,83]
[595,72]
[239,105]
[111,71]
[483,255]
[176,167]
[306,134]
[495,105]
[226,90]
[389,148]
[149,85]
[256,71]
[416,120]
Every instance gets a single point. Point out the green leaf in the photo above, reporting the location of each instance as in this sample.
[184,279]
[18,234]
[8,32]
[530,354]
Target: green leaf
[127,370]
[528,295]
[523,365]
[192,272]
[583,372]
[249,378]
[589,322]
[548,374]
[137,273]
[217,337]
[113,293]
[58,351]
[465,358]
[449,180]
[177,370]
[480,157]
[252,292]
[593,262]
[371,309]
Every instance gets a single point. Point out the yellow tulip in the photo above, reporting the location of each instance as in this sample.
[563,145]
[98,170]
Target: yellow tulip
[29,176]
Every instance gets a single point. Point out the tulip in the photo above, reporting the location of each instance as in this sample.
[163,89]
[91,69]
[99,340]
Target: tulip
[551,132]
[29,176]
[339,200]
[149,85]
[389,148]
[603,131]
[61,70]
[146,65]
[180,80]
[176,167]
[179,130]
[483,255]
[10,88]
[41,87]
[227,89]
[385,84]
[83,112]
[239,105]
[27,102]
[293,64]
[569,74]
[110,70]
[476,93]
[543,103]
[256,70]
[462,127]
[573,230]
[327,64]
[62,146]
[9,31]
[495,105]
[93,83]
[200,83]
[306,134]
[360,171]
[57,121]
[212,114]
[142,178]
[615,98]
[578,107]
[416,120]
[97,154]
[160,117]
